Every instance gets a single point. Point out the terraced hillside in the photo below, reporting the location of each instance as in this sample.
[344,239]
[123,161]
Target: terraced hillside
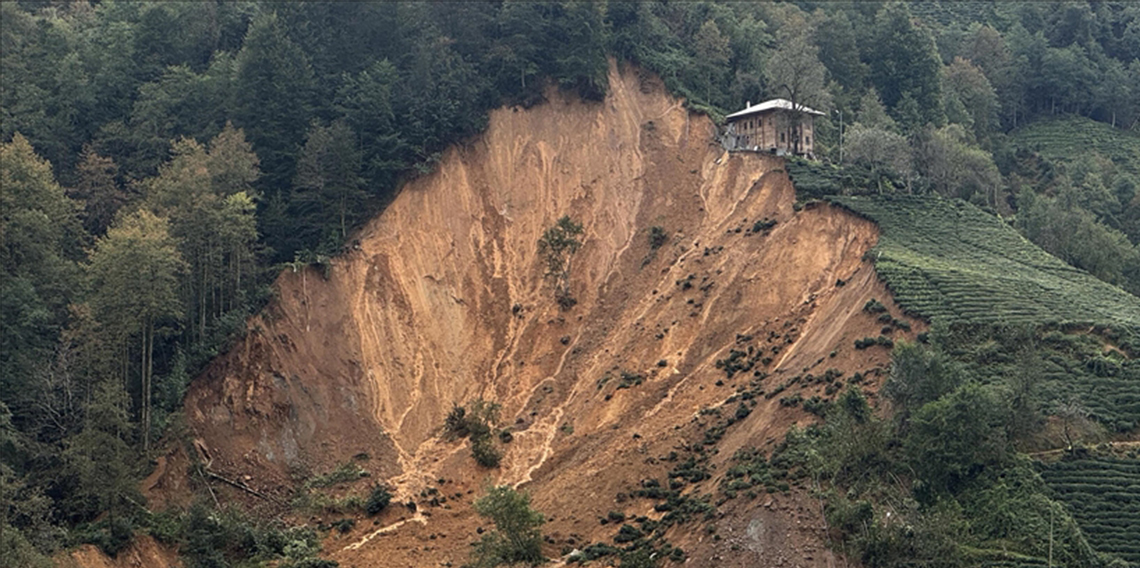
[1062,139]
[950,262]
[1104,496]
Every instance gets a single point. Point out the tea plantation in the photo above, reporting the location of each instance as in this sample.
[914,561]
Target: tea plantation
[946,260]
[1061,139]
[1104,497]
[949,262]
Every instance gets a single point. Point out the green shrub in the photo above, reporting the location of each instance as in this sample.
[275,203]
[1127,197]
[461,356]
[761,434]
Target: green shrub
[311,563]
[477,422]
[639,558]
[657,237]
[791,400]
[111,535]
[516,538]
[874,306]
[816,405]
[629,379]
[762,225]
[378,500]
[344,473]
[485,453]
[627,533]
[849,516]
[456,422]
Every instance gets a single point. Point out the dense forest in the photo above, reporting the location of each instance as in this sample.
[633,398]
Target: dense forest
[162,161]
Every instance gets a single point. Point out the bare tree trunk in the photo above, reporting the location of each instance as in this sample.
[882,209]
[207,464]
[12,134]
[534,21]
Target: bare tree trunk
[201,299]
[149,378]
[144,394]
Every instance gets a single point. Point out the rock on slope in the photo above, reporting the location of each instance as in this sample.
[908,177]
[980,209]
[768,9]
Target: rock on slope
[443,300]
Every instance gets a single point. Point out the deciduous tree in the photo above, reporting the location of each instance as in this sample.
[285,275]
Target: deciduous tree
[794,71]
[135,271]
[40,239]
[516,538]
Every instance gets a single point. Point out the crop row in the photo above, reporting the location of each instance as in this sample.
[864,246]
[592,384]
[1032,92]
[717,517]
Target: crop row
[1063,138]
[948,260]
[1104,497]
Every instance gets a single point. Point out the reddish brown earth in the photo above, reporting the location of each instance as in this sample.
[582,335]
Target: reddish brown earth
[444,301]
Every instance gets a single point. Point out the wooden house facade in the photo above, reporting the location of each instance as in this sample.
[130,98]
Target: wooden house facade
[774,126]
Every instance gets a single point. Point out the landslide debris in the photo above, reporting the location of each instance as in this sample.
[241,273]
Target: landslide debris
[708,309]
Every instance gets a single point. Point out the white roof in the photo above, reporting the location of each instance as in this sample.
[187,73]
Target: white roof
[784,104]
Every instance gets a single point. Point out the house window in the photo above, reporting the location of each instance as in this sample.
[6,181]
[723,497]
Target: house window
[808,141]
[781,137]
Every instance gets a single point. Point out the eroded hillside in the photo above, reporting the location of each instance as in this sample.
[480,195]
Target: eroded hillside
[442,300]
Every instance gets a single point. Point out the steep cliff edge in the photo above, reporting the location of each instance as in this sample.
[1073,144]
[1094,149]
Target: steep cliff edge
[443,300]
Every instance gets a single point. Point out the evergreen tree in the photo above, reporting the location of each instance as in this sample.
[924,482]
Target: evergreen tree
[101,461]
[904,61]
[839,51]
[873,114]
[580,34]
[21,506]
[271,87]
[365,102]
[327,193]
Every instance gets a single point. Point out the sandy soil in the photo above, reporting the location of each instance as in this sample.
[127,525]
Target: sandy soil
[443,300]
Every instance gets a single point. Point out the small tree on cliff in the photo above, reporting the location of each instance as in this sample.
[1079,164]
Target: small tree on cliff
[557,245]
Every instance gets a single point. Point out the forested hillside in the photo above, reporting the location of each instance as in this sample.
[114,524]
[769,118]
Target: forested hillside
[161,162]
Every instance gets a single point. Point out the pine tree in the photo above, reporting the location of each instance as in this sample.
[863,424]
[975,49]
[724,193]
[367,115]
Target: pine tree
[713,53]
[272,84]
[365,102]
[100,458]
[327,193]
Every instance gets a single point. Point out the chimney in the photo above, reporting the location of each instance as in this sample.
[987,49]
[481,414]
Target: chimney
[748,104]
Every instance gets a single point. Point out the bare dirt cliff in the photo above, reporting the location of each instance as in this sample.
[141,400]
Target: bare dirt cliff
[444,301]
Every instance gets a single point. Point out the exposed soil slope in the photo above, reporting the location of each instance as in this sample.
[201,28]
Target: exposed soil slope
[143,552]
[444,300]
